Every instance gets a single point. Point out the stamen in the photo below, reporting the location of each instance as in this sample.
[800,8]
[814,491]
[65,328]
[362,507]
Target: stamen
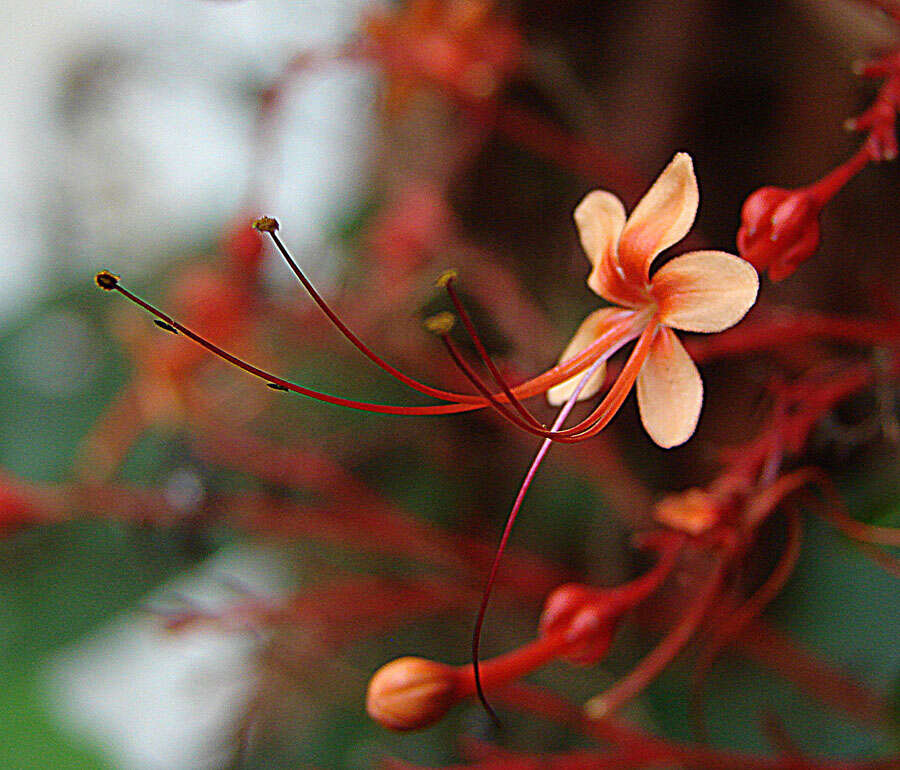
[527,389]
[607,344]
[266,224]
[269,225]
[602,414]
[109,282]
[106,280]
[484,390]
[609,406]
[440,324]
[446,280]
[510,520]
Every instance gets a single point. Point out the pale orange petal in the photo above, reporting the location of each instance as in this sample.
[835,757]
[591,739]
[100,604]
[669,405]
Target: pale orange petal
[600,218]
[661,219]
[704,291]
[591,328]
[669,391]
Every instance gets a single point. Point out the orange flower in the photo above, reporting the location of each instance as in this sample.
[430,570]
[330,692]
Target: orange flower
[701,291]
[463,46]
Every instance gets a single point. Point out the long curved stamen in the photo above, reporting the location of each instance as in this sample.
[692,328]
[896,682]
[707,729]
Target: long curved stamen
[500,408]
[270,226]
[168,323]
[447,282]
[615,336]
[527,389]
[511,519]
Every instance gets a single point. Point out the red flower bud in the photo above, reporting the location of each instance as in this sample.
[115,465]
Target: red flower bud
[779,229]
[587,616]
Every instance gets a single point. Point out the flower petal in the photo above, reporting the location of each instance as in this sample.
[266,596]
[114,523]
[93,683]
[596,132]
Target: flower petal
[669,391]
[591,328]
[662,218]
[704,291]
[600,218]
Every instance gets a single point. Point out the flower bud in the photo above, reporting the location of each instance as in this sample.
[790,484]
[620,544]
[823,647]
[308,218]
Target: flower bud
[411,693]
[587,616]
[779,229]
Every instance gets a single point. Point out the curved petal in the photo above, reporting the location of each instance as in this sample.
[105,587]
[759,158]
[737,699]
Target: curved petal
[600,218]
[591,328]
[662,218]
[669,391]
[704,291]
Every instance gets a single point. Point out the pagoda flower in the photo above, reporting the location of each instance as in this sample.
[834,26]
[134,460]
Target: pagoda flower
[701,291]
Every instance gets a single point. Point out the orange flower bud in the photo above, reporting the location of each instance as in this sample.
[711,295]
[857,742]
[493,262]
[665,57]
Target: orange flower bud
[779,229]
[411,693]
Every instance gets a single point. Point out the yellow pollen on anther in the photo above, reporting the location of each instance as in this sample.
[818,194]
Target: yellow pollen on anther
[441,323]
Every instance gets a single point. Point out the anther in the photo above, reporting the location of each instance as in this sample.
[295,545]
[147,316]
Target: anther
[106,280]
[444,278]
[276,386]
[266,225]
[164,326]
[441,323]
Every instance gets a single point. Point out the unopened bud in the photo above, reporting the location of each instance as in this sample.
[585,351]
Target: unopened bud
[587,616]
[779,229]
[411,693]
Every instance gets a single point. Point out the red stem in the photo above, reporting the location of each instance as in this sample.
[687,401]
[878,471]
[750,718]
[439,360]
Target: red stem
[650,667]
[829,185]
[737,622]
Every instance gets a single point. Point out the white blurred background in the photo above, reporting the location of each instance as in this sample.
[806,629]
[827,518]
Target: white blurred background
[126,136]
[126,129]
